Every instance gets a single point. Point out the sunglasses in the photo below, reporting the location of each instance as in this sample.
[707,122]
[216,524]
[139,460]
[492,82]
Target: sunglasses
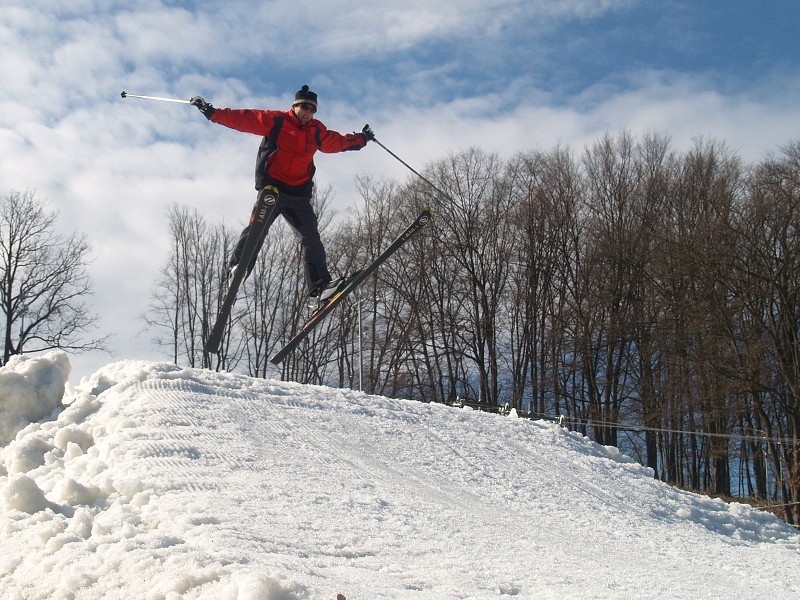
[307,106]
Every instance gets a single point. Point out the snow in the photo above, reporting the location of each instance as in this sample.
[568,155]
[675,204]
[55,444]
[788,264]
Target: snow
[148,480]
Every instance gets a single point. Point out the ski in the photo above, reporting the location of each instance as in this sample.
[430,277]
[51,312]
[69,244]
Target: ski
[352,283]
[267,201]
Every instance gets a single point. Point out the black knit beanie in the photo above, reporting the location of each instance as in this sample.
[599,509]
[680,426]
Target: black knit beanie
[305,95]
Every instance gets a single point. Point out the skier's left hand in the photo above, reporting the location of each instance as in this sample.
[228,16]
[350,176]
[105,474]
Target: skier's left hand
[368,134]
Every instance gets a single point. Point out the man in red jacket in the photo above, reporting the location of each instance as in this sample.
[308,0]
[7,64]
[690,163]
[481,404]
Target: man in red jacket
[285,164]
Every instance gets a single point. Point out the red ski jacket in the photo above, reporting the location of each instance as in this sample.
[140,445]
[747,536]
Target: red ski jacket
[286,155]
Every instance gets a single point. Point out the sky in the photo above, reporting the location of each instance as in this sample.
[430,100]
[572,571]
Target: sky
[432,79]
[147,480]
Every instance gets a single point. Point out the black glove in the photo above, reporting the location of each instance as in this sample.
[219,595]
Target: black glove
[203,106]
[368,134]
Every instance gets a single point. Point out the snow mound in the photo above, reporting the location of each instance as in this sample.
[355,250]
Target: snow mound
[21,493]
[30,389]
[148,480]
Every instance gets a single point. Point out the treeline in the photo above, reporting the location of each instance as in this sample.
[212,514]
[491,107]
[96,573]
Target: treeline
[650,298]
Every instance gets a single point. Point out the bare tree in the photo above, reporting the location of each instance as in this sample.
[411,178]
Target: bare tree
[268,299]
[613,270]
[547,221]
[388,298]
[694,258]
[476,244]
[767,339]
[185,299]
[44,280]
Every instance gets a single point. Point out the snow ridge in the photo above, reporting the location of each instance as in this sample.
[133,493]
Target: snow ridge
[154,481]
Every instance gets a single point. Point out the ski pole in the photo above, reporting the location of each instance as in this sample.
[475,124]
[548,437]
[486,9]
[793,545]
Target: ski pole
[127,95]
[410,168]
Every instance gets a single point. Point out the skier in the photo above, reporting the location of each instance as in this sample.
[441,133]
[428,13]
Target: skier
[285,167]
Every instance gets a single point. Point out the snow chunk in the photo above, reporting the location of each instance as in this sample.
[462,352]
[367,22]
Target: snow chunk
[72,434]
[21,493]
[74,493]
[26,454]
[614,454]
[256,586]
[31,388]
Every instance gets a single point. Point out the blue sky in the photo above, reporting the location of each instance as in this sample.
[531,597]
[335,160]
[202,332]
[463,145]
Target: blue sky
[432,79]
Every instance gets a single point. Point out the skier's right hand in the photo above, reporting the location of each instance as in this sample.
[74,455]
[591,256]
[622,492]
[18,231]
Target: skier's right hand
[203,106]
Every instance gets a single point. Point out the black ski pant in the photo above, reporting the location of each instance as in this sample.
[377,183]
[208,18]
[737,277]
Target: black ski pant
[299,213]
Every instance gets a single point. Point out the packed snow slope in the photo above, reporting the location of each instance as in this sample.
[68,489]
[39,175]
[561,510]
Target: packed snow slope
[148,480]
